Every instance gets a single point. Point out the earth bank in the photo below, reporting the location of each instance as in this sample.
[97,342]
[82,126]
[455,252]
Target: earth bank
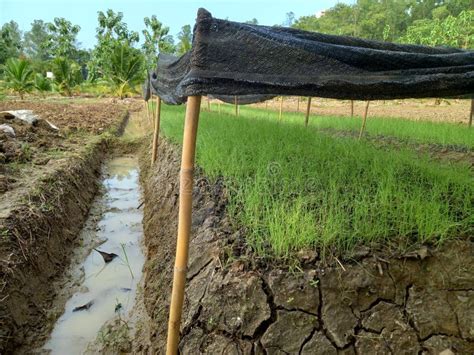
[371,302]
[41,215]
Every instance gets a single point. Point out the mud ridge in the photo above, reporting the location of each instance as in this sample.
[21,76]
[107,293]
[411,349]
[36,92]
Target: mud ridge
[39,232]
[380,304]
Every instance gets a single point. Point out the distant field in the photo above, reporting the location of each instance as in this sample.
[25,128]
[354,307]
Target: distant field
[294,188]
[415,131]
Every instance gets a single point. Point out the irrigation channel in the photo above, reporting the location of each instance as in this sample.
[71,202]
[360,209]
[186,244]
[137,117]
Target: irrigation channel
[104,289]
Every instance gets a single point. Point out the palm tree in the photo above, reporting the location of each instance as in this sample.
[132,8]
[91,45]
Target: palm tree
[18,76]
[124,68]
[67,74]
[42,84]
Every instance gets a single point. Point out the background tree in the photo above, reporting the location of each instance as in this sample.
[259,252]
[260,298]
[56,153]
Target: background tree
[185,37]
[67,74]
[18,76]
[111,31]
[36,41]
[62,38]
[10,41]
[157,39]
[253,21]
[124,69]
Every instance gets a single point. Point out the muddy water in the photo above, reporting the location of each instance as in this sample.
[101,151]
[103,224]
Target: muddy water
[109,288]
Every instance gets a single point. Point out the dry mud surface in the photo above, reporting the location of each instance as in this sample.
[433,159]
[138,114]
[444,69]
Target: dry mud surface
[42,212]
[373,302]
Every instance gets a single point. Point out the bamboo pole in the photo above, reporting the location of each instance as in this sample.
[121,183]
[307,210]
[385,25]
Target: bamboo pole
[298,104]
[352,108]
[184,222]
[281,108]
[156,130]
[308,111]
[236,101]
[362,129]
[472,112]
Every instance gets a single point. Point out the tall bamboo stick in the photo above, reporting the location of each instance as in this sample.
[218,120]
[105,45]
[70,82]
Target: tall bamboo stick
[236,101]
[156,130]
[308,110]
[184,222]
[362,129]
[352,108]
[472,112]
[281,108]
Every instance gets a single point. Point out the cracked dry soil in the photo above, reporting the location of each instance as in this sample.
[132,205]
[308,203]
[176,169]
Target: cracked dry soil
[373,305]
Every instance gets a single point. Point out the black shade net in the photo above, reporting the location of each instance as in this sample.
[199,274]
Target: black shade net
[260,62]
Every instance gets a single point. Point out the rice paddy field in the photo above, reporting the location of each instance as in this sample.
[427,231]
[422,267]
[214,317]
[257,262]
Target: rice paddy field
[294,188]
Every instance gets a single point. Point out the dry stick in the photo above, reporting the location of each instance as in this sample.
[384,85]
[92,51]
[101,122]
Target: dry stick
[362,129]
[184,222]
[156,131]
[236,105]
[308,110]
[472,112]
[352,108]
[281,107]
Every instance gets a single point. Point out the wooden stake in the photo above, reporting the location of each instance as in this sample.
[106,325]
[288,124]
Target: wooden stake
[362,129]
[352,108]
[236,100]
[308,111]
[472,112]
[156,131]
[281,108]
[184,222]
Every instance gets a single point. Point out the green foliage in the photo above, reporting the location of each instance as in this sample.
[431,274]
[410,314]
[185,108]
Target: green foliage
[392,19]
[157,39]
[42,84]
[318,191]
[124,69]
[62,38]
[112,31]
[450,31]
[36,41]
[18,76]
[185,37]
[67,74]
[10,41]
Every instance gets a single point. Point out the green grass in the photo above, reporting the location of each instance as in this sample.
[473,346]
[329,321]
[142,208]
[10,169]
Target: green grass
[415,131]
[293,188]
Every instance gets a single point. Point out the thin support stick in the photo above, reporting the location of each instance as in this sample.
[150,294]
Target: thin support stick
[352,108]
[184,222]
[281,108]
[308,111]
[362,129]
[236,101]
[156,131]
[472,113]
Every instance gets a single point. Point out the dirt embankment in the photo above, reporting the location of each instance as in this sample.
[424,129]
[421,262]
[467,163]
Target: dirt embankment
[370,303]
[40,218]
